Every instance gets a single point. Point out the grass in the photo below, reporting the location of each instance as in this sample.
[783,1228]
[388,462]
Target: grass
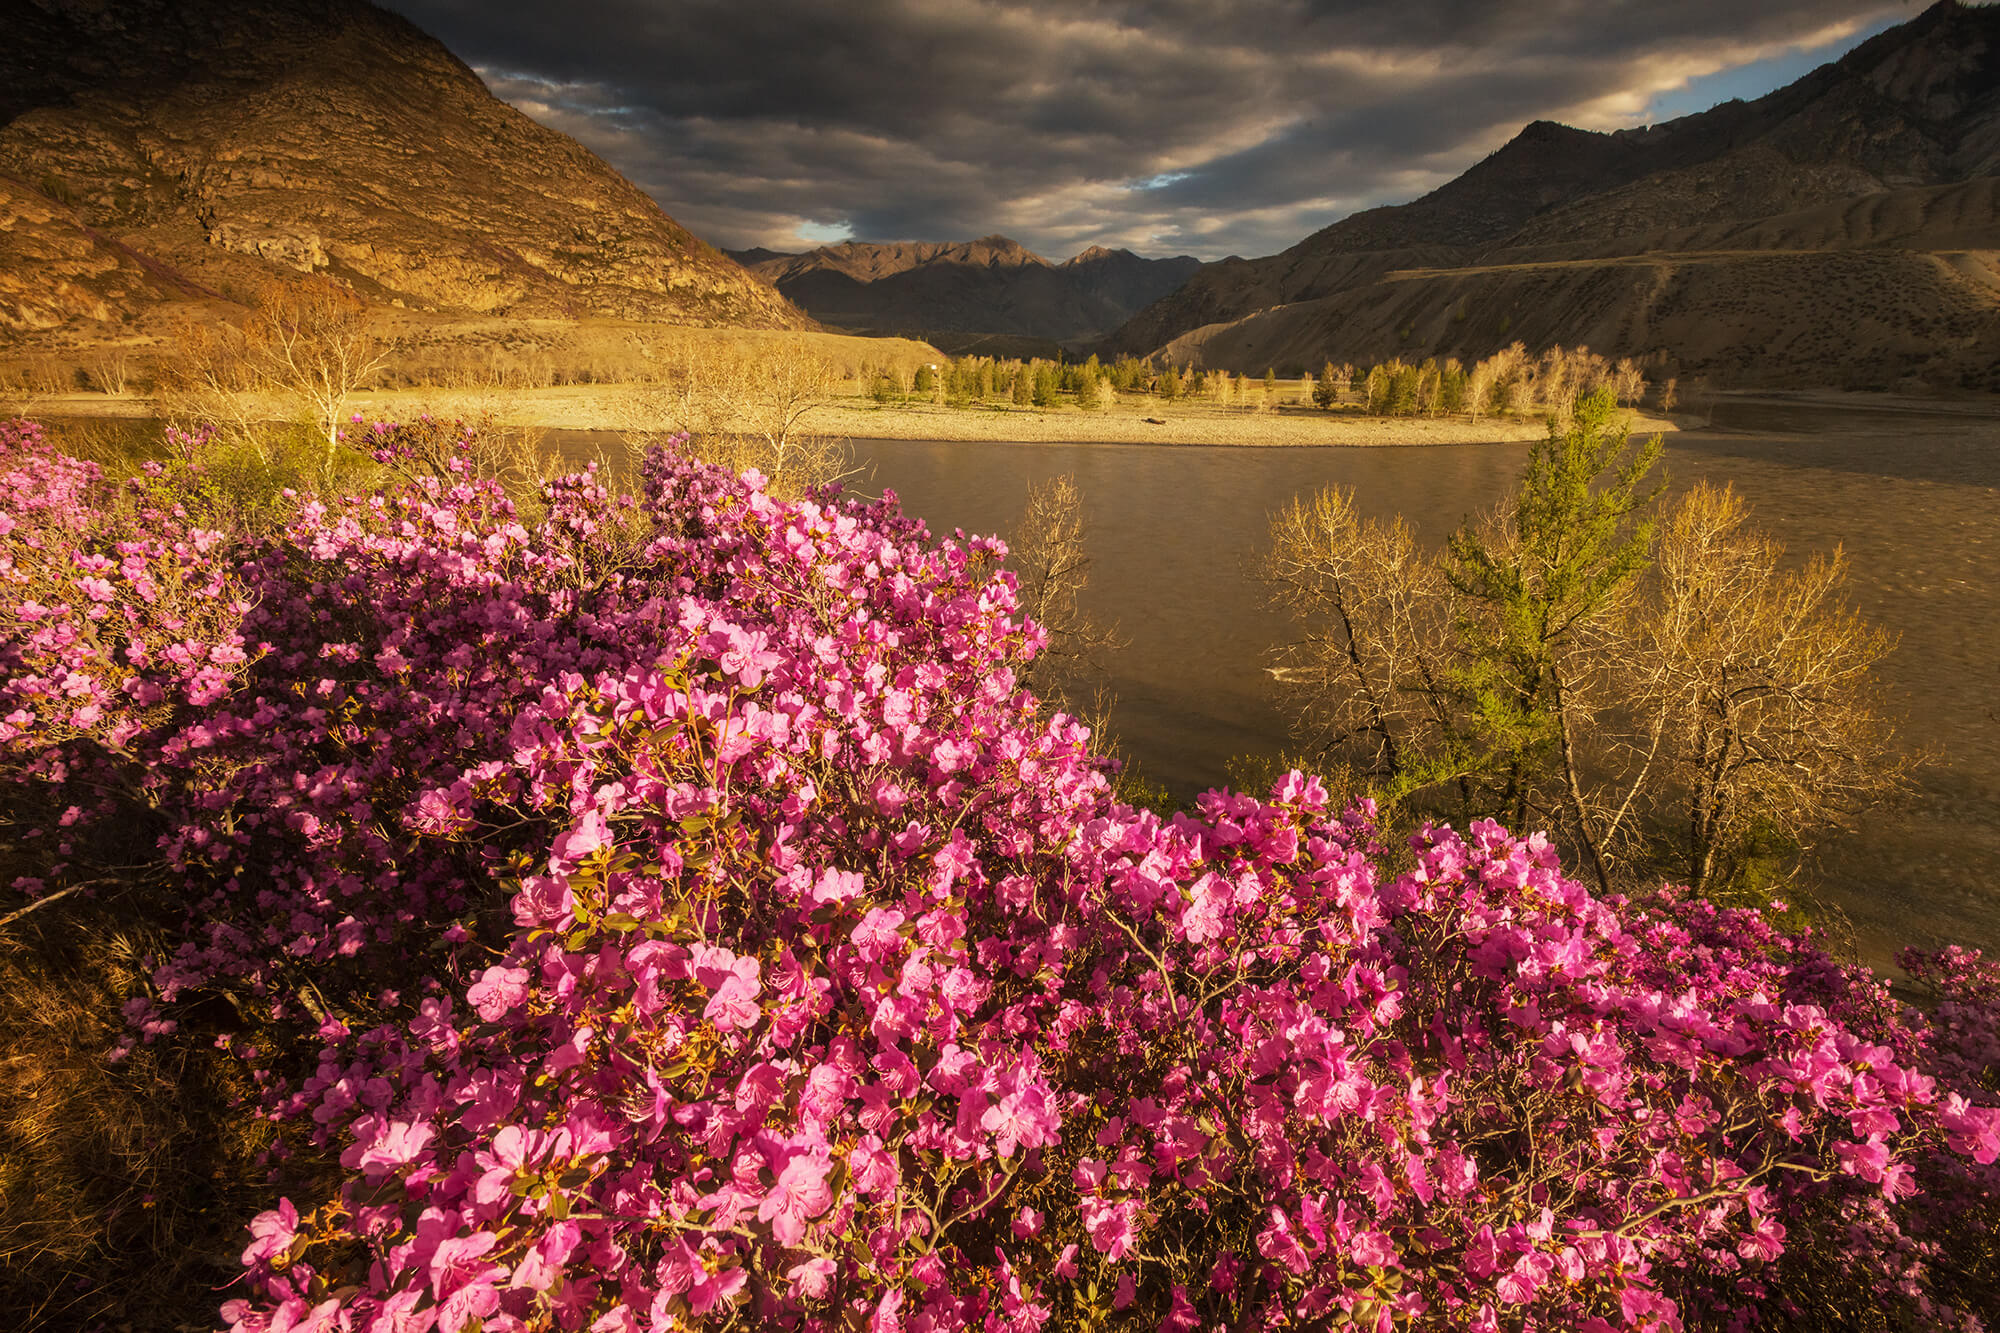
[125,1186]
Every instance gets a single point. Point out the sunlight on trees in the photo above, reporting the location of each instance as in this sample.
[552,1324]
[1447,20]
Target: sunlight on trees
[304,349]
[743,412]
[1763,681]
[1665,696]
[1538,582]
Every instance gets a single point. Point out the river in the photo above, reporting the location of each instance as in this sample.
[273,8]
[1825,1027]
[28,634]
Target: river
[1912,495]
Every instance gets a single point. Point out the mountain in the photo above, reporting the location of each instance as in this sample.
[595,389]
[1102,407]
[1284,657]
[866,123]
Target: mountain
[163,151]
[1844,230]
[991,286]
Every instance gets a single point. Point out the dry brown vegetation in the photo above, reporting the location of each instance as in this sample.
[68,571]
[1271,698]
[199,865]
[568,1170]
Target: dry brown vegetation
[743,413]
[124,1187]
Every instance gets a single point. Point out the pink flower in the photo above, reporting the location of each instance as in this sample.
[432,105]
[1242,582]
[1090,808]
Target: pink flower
[876,934]
[1519,1285]
[591,832]
[813,1278]
[498,990]
[1024,1117]
[800,1195]
[1371,1249]
[1110,1225]
[1865,1160]
[1066,1263]
[734,1004]
[1280,1244]
[386,1146]
[273,1232]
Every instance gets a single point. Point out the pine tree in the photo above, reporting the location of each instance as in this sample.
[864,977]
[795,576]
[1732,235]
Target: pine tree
[1044,390]
[1326,391]
[1087,395]
[1535,581]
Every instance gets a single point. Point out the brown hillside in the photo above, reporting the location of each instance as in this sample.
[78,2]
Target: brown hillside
[1718,241]
[1874,316]
[204,145]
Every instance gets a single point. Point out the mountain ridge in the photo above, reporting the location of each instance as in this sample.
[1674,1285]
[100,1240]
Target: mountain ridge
[1915,108]
[984,287]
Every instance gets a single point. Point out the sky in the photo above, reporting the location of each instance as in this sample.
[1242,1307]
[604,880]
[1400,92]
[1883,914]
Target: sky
[1202,127]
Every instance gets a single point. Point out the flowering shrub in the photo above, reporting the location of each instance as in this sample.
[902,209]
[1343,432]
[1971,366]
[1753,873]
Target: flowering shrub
[694,922]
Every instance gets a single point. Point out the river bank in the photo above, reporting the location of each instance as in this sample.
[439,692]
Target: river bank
[1283,423]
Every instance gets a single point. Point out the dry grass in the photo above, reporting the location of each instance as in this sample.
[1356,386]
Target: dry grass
[124,1187]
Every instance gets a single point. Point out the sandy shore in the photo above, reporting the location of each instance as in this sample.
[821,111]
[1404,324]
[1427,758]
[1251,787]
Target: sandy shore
[1144,421]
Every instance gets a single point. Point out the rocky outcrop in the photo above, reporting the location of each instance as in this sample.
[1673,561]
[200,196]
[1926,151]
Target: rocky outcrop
[207,145]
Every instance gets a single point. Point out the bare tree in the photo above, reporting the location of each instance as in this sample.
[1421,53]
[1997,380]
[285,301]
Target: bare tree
[109,367]
[309,343]
[1765,679]
[1631,382]
[783,387]
[313,341]
[206,381]
[744,411]
[1368,675]
[1479,388]
[1051,565]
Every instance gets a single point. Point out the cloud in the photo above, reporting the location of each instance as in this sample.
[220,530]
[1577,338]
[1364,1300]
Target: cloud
[1167,126]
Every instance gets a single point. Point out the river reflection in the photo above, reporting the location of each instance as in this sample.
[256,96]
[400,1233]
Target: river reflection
[1913,497]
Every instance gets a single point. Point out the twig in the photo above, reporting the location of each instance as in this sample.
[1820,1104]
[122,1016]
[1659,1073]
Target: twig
[45,900]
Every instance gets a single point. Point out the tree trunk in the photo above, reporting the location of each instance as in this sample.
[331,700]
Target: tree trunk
[1571,784]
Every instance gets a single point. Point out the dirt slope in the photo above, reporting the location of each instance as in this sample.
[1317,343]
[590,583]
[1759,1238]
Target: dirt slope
[152,151]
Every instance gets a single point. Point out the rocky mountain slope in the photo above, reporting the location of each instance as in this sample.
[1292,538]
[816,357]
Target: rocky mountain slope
[989,286]
[162,151]
[1844,229]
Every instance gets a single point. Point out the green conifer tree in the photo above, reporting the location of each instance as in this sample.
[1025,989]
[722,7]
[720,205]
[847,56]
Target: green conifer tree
[1535,584]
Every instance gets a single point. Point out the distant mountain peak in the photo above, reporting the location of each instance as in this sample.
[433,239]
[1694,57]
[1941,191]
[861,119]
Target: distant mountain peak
[991,285]
[1097,254]
[998,249]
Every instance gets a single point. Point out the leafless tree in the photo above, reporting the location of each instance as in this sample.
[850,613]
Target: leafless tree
[744,410]
[1367,675]
[1631,382]
[310,344]
[1051,564]
[313,341]
[109,368]
[1765,680]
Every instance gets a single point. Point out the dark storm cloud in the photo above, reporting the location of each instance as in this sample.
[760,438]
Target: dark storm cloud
[1163,125]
